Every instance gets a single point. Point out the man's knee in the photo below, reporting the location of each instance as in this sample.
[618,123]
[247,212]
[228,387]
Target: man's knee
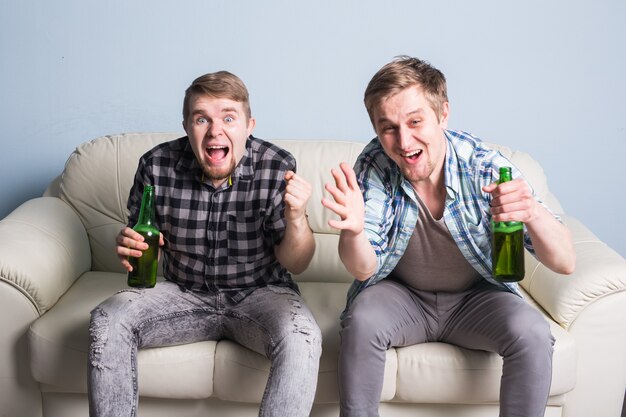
[113,311]
[363,321]
[531,334]
[301,331]
[98,336]
[539,335]
[119,307]
[303,339]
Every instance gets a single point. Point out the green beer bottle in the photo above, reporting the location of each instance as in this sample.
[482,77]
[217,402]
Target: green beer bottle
[144,271]
[507,245]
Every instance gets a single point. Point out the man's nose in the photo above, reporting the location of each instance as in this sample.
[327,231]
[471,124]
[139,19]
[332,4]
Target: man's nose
[404,137]
[214,129]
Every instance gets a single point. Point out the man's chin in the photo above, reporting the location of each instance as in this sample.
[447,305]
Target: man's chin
[217,175]
[414,175]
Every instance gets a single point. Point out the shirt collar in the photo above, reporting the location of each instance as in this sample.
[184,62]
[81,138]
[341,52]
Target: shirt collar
[451,169]
[245,169]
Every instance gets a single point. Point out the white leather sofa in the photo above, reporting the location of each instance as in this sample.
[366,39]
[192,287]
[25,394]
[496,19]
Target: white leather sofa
[57,261]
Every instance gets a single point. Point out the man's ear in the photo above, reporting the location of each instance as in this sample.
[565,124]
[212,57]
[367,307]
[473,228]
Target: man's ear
[251,125]
[445,113]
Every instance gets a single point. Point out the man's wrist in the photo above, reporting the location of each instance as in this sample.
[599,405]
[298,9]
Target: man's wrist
[352,234]
[298,221]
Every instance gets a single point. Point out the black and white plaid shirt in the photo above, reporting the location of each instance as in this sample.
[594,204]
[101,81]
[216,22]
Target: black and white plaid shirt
[218,239]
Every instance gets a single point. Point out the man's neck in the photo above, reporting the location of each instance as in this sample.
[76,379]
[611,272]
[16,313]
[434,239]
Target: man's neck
[432,191]
[434,197]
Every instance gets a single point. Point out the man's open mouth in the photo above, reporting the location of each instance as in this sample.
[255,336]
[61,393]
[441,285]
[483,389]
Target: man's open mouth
[412,155]
[216,153]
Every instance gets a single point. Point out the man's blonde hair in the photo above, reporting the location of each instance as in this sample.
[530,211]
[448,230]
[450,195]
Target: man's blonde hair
[221,84]
[401,73]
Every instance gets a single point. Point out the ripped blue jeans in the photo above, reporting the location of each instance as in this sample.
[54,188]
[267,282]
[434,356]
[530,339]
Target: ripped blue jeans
[272,321]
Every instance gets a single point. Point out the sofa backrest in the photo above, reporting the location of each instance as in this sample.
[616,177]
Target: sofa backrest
[98,176]
[96,182]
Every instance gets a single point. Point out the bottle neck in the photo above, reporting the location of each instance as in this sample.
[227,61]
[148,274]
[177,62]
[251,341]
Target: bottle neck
[505,175]
[511,226]
[146,213]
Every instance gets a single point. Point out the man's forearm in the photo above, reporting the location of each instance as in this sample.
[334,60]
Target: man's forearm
[297,247]
[357,255]
[552,242]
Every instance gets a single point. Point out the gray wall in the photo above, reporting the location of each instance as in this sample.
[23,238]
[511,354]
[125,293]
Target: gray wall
[545,77]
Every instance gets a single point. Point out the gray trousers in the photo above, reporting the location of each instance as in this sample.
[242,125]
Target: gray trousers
[389,314]
[272,321]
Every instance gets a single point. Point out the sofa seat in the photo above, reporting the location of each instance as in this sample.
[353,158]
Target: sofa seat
[426,373]
[184,371]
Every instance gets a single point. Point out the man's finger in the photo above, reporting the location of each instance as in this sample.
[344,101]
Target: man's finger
[340,179]
[489,188]
[336,193]
[350,175]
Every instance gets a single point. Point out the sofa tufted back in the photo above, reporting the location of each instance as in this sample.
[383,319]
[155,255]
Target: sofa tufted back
[96,182]
[98,175]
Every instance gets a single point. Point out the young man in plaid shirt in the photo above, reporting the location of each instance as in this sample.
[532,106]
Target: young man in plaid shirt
[231,212]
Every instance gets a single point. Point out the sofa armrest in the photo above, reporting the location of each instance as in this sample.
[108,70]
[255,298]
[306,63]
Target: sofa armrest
[591,305]
[43,249]
[599,272]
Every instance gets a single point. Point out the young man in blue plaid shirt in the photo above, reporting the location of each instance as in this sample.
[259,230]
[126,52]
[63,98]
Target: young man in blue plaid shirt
[415,233]
[231,212]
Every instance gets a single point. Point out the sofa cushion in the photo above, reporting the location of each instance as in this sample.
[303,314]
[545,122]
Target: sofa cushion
[326,265]
[59,342]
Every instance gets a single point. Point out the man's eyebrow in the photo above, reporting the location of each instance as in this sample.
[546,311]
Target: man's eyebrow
[230,110]
[381,120]
[419,111]
[224,110]
[415,112]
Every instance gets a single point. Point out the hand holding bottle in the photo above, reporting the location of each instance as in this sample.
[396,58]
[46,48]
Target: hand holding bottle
[512,201]
[509,206]
[130,243]
[551,239]
[142,244]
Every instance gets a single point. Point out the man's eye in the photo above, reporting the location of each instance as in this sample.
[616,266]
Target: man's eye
[415,122]
[229,119]
[201,120]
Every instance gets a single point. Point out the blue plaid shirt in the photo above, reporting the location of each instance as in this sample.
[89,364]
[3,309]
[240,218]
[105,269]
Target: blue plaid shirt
[391,207]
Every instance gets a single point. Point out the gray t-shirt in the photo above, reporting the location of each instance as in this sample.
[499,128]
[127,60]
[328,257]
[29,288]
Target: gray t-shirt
[432,260]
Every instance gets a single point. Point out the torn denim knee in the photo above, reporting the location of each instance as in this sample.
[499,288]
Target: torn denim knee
[98,333]
[302,324]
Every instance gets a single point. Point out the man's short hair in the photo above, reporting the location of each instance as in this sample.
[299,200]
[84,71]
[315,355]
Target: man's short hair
[221,84]
[403,72]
